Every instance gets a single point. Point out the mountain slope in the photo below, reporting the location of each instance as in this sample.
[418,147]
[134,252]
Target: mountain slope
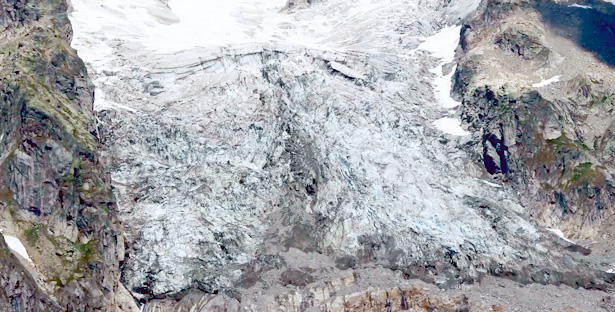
[537,93]
[56,196]
[264,156]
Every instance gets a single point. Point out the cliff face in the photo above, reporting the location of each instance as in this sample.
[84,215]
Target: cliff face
[55,195]
[536,78]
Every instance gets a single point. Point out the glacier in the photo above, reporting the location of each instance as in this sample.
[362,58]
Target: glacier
[238,132]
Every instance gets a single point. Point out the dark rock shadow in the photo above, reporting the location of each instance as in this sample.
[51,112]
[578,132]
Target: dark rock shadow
[590,23]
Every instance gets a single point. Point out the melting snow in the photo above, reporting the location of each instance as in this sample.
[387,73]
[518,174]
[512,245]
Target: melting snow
[450,126]
[443,45]
[559,233]
[547,82]
[15,245]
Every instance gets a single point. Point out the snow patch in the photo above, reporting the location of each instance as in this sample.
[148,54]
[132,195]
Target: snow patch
[450,126]
[461,9]
[442,46]
[15,245]
[559,233]
[582,6]
[547,82]
[442,89]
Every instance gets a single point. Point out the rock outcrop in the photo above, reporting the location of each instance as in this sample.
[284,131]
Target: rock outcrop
[18,289]
[536,79]
[55,195]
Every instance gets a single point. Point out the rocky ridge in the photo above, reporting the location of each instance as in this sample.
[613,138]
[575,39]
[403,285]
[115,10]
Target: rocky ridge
[55,195]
